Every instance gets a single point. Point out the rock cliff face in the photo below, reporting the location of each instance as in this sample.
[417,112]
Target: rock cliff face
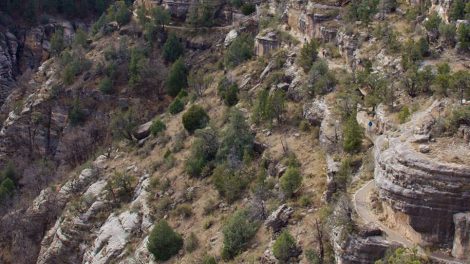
[421,192]
[363,246]
[461,245]
[26,50]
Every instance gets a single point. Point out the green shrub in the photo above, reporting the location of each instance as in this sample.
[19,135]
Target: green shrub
[74,65]
[362,10]
[285,247]
[240,50]
[195,118]
[106,85]
[76,114]
[447,34]
[228,92]
[404,114]
[290,181]
[201,15]
[176,106]
[177,79]
[137,67]
[443,79]
[121,186]
[80,39]
[402,255]
[308,54]
[229,184]
[203,150]
[352,133]
[160,16]
[119,12]
[163,242]
[433,22]
[123,124]
[236,138]
[191,243]
[312,256]
[172,49]
[157,127]
[457,10]
[305,201]
[248,9]
[184,210]
[7,186]
[57,42]
[320,79]
[237,232]
[463,36]
[459,116]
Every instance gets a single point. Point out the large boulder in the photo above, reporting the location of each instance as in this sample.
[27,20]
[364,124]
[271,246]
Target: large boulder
[314,112]
[279,218]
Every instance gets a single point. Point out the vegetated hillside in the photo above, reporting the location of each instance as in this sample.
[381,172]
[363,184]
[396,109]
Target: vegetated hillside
[233,132]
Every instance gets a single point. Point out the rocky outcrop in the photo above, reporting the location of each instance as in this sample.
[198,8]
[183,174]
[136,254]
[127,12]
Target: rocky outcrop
[461,247]
[266,43]
[352,244]
[421,192]
[279,218]
[112,238]
[363,250]
[83,235]
[29,225]
[314,111]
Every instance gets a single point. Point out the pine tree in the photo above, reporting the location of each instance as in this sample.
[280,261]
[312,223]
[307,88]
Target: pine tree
[352,135]
[172,49]
[177,78]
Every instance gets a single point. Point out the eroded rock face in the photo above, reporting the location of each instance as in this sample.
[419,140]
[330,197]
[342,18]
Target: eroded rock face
[350,247]
[422,192]
[461,246]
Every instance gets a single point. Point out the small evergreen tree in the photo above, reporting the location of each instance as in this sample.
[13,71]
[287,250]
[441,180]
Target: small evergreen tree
[157,127]
[122,14]
[308,54]
[76,114]
[237,233]
[172,49]
[137,66]
[290,181]
[106,85]
[177,78]
[160,16]
[176,106]
[432,23]
[457,10]
[57,42]
[163,242]
[463,36]
[240,50]
[236,137]
[285,247]
[352,133]
[447,34]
